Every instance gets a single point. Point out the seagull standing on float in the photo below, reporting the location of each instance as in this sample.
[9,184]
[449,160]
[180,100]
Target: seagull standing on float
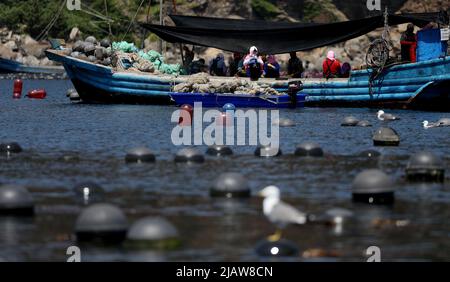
[278,212]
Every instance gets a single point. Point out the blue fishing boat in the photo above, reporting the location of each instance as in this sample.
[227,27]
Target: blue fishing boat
[100,84]
[10,66]
[214,100]
[421,85]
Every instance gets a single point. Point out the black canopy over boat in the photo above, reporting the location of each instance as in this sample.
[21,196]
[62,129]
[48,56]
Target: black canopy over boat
[276,38]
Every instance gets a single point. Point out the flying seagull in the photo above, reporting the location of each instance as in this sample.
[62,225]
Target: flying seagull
[386,117]
[278,212]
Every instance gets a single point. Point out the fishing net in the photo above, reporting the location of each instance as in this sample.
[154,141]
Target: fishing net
[125,47]
[155,58]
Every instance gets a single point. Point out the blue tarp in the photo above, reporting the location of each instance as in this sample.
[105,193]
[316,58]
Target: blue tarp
[429,45]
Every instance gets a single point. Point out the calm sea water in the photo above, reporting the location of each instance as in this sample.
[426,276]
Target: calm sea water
[66,143]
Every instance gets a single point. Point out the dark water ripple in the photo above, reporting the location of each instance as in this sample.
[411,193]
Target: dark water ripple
[70,143]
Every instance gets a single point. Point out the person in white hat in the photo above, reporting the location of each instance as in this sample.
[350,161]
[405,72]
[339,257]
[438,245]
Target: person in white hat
[253,63]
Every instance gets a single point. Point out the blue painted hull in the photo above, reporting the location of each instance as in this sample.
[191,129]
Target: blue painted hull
[9,66]
[240,101]
[423,85]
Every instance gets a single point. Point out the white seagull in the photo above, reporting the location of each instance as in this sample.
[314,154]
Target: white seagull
[386,117]
[427,124]
[278,212]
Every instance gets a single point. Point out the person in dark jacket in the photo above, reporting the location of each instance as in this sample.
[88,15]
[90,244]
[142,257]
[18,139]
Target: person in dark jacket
[271,67]
[234,63]
[295,66]
[217,66]
[345,70]
[197,66]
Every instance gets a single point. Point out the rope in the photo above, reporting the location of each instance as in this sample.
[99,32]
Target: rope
[94,13]
[379,49]
[132,20]
[109,23]
[52,22]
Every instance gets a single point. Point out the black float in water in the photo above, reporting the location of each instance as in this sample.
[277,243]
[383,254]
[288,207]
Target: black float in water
[267,151]
[12,147]
[444,122]
[373,187]
[219,150]
[140,155]
[350,121]
[280,248]
[104,223]
[189,155]
[364,123]
[309,149]
[386,136]
[425,166]
[89,192]
[153,232]
[15,200]
[230,185]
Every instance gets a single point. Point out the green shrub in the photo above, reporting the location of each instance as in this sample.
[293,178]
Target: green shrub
[265,9]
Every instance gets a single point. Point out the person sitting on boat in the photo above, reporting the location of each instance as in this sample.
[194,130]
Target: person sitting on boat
[254,65]
[188,58]
[408,42]
[197,66]
[331,66]
[345,70]
[295,66]
[234,63]
[271,67]
[241,69]
[217,66]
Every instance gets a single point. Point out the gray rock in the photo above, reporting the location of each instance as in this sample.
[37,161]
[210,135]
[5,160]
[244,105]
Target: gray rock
[91,39]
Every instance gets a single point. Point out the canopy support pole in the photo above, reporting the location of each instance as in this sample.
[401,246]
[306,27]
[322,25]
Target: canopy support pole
[161,22]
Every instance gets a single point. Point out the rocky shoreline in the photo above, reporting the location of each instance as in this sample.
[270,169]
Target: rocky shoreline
[23,49]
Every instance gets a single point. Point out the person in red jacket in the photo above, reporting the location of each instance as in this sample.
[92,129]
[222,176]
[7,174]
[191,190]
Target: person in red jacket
[331,66]
[408,42]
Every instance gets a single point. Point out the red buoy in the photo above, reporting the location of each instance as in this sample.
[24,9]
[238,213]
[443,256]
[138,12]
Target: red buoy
[186,115]
[224,119]
[37,94]
[17,91]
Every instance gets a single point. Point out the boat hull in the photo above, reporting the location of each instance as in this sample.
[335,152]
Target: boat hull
[9,66]
[93,95]
[209,100]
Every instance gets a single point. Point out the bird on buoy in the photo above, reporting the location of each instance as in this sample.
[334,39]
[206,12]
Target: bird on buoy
[386,117]
[278,212]
[427,124]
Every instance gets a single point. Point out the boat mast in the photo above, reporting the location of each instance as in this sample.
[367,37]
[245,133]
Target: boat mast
[161,22]
[109,22]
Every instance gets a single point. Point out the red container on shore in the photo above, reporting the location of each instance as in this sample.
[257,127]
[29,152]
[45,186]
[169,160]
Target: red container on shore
[37,94]
[17,89]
